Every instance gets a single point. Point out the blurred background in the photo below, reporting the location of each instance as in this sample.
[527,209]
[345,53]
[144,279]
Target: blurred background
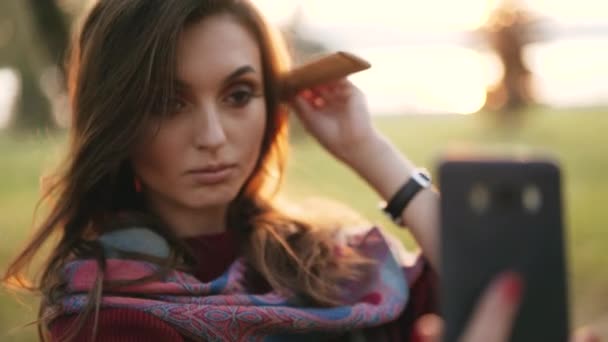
[512,76]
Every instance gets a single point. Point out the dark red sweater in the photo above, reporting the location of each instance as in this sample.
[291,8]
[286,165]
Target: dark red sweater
[130,325]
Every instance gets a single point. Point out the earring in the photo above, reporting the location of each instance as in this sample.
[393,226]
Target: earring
[137,184]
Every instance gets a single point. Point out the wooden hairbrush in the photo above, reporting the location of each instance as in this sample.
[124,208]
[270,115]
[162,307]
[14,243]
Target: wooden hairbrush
[322,70]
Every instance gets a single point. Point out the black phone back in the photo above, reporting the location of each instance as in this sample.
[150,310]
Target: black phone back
[499,215]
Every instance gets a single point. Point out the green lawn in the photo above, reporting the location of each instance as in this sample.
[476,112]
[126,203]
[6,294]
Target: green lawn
[574,137]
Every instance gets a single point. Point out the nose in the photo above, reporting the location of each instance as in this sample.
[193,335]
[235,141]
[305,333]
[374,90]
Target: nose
[209,129]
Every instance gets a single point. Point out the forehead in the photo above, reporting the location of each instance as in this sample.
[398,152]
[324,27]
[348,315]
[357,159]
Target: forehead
[214,47]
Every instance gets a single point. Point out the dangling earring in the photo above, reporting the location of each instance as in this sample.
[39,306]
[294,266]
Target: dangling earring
[137,184]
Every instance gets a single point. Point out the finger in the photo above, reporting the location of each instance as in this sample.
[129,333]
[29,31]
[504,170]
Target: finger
[306,110]
[585,335]
[303,108]
[319,103]
[335,90]
[314,96]
[344,90]
[334,94]
[493,318]
[307,94]
[428,328]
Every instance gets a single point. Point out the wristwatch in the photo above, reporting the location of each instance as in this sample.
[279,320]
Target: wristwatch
[420,179]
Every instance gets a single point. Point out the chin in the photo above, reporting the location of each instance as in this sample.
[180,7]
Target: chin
[210,197]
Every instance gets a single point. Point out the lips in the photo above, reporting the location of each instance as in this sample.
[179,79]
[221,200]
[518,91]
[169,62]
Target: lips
[212,168]
[212,174]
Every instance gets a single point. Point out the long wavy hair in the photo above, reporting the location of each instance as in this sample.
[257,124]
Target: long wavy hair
[121,72]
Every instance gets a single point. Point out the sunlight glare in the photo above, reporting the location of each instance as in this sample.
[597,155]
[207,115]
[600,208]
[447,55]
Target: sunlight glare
[426,15]
[558,83]
[434,79]
[277,12]
[581,11]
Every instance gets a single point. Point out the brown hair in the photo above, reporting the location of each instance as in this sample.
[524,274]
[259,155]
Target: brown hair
[118,82]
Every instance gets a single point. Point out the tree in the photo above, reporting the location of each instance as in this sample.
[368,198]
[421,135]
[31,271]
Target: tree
[508,31]
[50,23]
[36,38]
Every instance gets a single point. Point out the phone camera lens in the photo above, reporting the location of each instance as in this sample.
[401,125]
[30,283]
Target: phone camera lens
[532,199]
[479,199]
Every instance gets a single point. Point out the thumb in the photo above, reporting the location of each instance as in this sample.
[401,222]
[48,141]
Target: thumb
[494,316]
[585,335]
[427,328]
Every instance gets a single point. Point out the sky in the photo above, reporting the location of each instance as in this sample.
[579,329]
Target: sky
[428,14]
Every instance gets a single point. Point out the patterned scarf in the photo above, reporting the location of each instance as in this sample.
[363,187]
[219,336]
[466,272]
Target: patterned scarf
[224,310]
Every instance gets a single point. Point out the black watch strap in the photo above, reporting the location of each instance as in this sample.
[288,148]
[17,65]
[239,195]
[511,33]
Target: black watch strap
[397,204]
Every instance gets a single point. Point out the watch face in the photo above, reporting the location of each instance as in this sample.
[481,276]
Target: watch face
[423,178]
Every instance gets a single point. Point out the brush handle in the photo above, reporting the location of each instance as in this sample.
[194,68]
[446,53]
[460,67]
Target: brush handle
[325,69]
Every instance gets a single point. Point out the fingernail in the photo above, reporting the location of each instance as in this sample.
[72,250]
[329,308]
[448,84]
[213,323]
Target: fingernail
[585,334]
[306,93]
[512,287]
[427,328]
[319,102]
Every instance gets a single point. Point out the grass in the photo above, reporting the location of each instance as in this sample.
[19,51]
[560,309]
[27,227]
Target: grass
[574,137]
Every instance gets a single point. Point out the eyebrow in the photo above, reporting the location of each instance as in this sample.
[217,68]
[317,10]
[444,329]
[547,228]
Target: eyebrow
[234,75]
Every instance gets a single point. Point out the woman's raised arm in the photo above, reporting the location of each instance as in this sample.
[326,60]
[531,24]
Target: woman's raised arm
[337,115]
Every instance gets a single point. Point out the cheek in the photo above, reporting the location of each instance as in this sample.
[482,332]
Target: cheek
[253,134]
[155,156]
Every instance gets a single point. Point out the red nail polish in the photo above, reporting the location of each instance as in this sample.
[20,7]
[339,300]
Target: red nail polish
[426,328]
[319,102]
[512,287]
[306,93]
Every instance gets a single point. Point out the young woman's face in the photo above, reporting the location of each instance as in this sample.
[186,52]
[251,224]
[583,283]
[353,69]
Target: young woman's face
[217,121]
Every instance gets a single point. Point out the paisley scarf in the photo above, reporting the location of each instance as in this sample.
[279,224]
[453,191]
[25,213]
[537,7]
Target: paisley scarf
[224,310]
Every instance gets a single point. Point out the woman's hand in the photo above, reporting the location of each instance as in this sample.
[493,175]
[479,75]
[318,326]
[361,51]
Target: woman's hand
[337,115]
[493,318]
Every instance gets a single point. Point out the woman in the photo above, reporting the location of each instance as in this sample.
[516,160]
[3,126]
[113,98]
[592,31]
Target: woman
[164,207]
[177,146]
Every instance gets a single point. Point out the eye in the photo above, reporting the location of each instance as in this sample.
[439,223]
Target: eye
[177,105]
[241,96]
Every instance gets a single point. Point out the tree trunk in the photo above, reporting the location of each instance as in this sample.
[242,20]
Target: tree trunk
[33,108]
[50,23]
[31,50]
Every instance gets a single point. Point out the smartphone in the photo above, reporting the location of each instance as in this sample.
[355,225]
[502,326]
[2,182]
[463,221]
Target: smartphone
[499,215]
[322,70]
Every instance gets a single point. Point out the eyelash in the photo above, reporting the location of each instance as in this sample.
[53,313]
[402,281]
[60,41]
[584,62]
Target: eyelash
[251,93]
[177,100]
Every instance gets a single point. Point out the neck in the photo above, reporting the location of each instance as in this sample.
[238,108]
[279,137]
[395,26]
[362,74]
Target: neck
[188,222]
